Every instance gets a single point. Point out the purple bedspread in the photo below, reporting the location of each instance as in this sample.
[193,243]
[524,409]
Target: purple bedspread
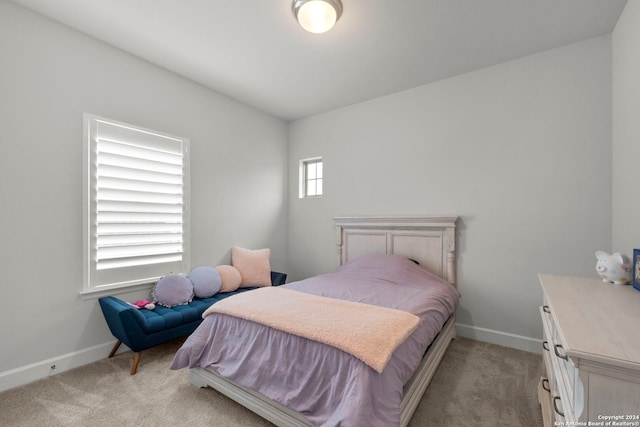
[326,385]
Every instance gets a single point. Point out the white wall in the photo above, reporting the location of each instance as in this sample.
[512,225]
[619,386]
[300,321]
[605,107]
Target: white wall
[49,76]
[521,151]
[626,130]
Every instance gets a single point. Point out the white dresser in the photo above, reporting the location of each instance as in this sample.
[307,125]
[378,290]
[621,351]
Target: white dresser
[591,352]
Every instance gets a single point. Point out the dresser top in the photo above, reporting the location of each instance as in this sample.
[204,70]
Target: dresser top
[597,321]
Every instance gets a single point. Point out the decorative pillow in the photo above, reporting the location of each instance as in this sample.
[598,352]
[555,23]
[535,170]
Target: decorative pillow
[173,290]
[253,265]
[230,277]
[206,281]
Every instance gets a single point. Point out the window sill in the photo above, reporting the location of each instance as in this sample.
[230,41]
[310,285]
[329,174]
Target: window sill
[87,294]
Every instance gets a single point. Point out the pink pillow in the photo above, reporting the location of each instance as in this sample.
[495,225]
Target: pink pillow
[230,277]
[253,265]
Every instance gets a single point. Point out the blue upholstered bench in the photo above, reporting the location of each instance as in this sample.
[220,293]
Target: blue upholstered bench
[140,329]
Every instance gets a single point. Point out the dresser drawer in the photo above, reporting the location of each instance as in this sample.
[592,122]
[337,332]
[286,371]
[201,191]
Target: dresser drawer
[547,345]
[545,401]
[566,387]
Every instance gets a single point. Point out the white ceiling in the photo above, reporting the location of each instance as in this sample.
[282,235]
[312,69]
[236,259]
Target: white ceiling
[254,51]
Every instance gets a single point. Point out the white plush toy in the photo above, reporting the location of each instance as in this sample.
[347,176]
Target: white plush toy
[613,268]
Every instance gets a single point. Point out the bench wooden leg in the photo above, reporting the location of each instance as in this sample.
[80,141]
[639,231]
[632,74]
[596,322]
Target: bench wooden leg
[136,362]
[115,348]
[136,357]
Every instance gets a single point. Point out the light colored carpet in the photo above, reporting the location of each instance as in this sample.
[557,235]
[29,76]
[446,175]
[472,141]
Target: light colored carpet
[477,384]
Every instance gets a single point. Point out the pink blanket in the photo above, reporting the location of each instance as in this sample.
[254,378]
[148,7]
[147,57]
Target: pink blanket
[368,332]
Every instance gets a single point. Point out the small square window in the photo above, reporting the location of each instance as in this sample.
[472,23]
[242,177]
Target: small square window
[311,177]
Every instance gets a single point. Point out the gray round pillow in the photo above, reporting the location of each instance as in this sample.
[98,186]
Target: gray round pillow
[206,281]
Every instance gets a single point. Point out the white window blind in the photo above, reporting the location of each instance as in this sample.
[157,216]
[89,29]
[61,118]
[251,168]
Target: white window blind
[137,205]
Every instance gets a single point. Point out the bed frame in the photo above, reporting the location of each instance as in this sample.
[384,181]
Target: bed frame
[429,240]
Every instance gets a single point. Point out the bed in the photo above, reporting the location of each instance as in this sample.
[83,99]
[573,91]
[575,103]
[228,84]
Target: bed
[302,382]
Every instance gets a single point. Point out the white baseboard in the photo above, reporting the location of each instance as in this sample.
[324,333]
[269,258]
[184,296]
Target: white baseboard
[39,370]
[500,338]
[56,365]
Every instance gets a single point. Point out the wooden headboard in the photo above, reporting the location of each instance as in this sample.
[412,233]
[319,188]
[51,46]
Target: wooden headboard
[430,240]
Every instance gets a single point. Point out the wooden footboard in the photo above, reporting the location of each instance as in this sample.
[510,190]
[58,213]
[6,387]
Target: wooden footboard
[268,409]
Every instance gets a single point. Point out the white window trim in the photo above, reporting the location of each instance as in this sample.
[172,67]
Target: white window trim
[90,288]
[302,171]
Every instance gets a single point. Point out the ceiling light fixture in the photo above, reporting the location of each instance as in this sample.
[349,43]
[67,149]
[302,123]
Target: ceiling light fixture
[317,16]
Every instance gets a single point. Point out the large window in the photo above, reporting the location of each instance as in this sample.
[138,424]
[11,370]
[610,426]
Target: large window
[136,205]
[311,177]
